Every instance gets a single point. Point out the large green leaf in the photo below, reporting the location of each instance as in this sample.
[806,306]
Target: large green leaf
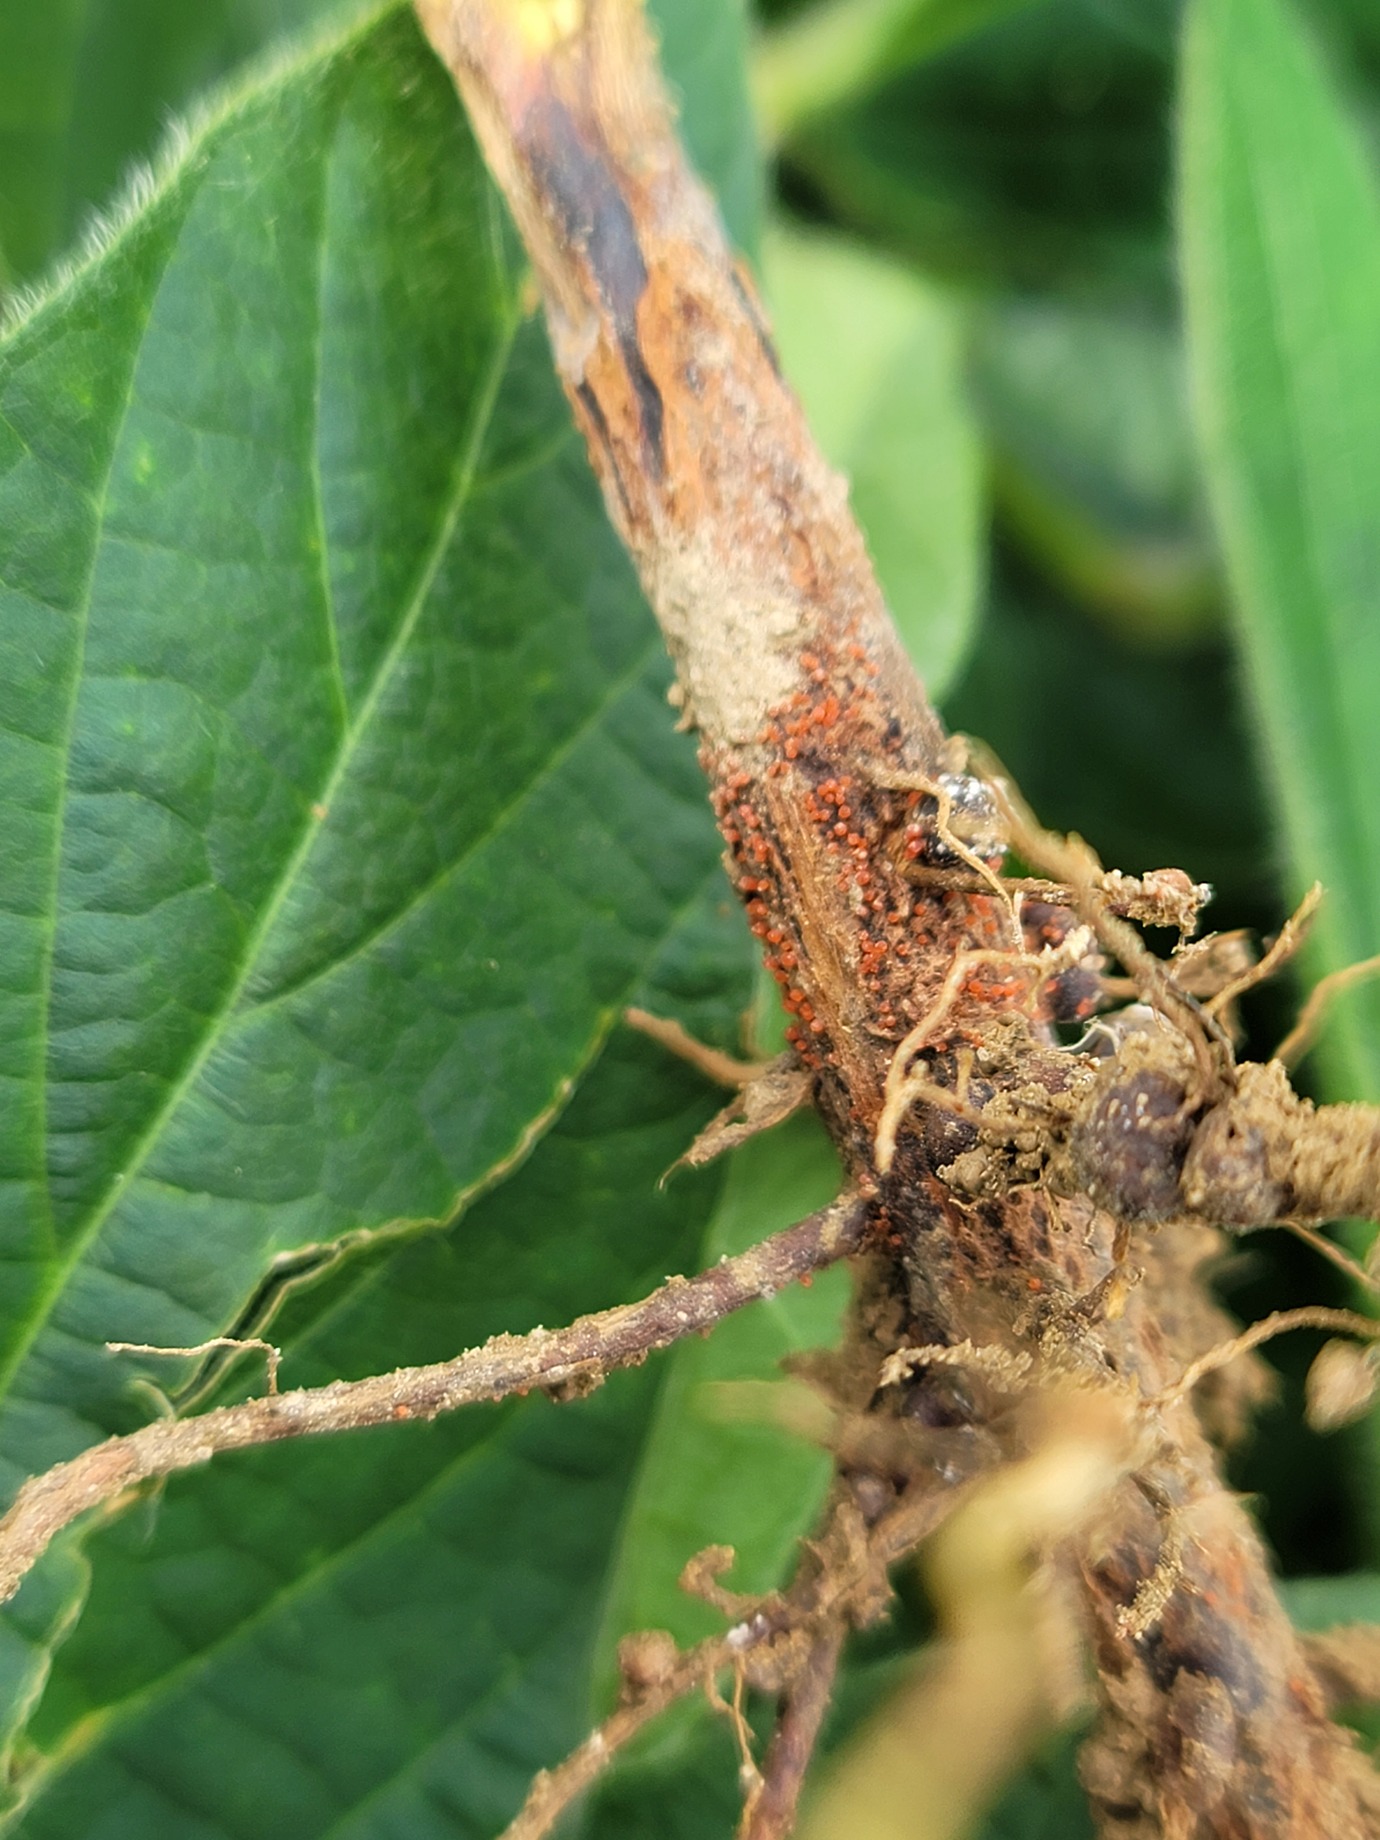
[389,1633]
[1280,219]
[333,749]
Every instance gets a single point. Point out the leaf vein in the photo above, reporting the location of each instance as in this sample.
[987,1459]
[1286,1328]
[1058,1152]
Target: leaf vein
[521,796]
[452,510]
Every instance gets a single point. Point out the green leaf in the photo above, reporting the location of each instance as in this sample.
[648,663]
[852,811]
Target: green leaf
[390,1632]
[1096,471]
[875,355]
[1034,152]
[85,88]
[1280,224]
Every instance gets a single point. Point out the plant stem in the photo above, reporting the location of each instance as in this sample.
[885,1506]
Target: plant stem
[830,774]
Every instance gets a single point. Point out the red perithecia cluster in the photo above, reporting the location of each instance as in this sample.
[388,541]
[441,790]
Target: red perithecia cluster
[833,697]
[803,733]
[867,834]
[756,872]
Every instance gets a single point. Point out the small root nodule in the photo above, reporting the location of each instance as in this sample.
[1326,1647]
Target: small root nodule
[1133,1131]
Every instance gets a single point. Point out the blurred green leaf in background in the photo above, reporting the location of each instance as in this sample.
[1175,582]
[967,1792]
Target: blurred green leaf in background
[876,357]
[1281,242]
[341,813]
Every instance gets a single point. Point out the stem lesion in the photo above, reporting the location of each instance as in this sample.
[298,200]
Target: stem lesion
[1014,1174]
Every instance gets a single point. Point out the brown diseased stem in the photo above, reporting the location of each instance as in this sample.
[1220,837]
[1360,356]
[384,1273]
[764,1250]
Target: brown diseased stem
[830,774]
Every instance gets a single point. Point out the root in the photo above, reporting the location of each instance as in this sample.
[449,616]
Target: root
[769,1811]
[787,1643]
[1279,1322]
[565,1363]
[1291,938]
[240,1344]
[1304,1032]
[723,1069]
[553,1792]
